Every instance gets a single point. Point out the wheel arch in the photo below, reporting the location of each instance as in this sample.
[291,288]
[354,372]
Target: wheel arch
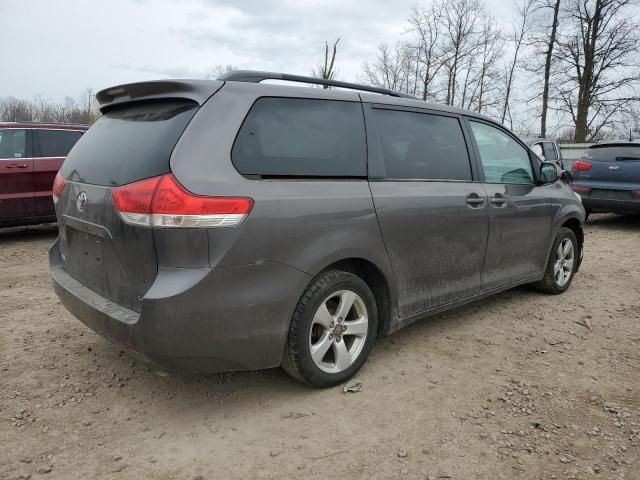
[575,226]
[571,216]
[377,281]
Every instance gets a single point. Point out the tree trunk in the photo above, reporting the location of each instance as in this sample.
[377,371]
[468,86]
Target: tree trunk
[547,70]
[518,36]
[585,88]
[509,81]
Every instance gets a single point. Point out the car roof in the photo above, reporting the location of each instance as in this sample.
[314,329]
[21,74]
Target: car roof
[201,90]
[38,125]
[367,93]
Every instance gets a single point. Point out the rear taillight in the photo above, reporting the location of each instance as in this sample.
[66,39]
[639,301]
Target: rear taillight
[636,193]
[58,186]
[163,202]
[581,166]
[579,189]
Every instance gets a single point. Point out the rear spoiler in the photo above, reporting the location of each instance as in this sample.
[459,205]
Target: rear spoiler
[197,90]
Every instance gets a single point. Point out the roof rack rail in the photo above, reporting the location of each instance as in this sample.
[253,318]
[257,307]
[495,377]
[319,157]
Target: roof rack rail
[255,76]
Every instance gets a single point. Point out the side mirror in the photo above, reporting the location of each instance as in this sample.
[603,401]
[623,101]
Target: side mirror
[549,172]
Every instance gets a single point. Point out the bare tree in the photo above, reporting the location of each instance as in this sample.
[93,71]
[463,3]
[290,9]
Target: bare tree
[517,37]
[392,68]
[492,48]
[549,43]
[426,24]
[218,70]
[599,53]
[327,70]
[481,87]
[15,110]
[450,54]
[584,53]
[462,20]
[86,100]
[84,110]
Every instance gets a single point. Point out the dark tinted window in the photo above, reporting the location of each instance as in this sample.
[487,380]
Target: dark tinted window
[503,159]
[302,137]
[550,154]
[13,143]
[56,143]
[129,143]
[613,153]
[422,146]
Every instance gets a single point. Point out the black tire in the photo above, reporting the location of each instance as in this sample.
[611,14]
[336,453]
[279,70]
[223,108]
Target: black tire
[549,284]
[587,212]
[297,360]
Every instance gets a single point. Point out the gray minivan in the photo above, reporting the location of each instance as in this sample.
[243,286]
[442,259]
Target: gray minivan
[232,224]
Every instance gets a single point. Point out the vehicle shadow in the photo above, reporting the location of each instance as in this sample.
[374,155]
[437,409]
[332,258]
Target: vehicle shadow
[31,232]
[621,222]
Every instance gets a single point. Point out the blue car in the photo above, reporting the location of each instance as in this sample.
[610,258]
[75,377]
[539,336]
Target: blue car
[607,176]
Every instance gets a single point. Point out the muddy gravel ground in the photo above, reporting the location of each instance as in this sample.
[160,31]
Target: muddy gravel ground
[521,385]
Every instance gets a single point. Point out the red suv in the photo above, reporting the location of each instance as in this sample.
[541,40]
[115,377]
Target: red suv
[30,156]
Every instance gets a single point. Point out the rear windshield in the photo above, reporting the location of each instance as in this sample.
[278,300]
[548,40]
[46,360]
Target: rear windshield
[613,153]
[129,143]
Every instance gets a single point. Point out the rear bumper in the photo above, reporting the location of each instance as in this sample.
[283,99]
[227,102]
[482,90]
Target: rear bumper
[196,320]
[609,205]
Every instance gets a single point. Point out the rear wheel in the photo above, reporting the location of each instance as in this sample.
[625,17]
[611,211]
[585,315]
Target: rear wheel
[562,264]
[332,331]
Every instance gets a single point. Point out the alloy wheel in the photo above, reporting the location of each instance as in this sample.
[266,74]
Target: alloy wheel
[565,259]
[338,331]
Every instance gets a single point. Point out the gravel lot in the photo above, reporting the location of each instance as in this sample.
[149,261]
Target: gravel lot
[522,385]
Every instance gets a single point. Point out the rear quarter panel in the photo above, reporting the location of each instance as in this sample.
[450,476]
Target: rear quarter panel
[304,223]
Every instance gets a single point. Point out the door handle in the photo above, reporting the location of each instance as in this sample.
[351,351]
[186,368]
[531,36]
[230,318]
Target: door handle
[17,165]
[474,200]
[498,200]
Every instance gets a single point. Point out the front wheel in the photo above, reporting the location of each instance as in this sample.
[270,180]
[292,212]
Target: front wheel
[332,331]
[562,264]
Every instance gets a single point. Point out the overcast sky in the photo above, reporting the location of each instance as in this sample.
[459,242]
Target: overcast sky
[59,48]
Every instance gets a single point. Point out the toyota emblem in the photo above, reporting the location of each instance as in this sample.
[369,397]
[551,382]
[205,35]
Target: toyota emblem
[81,201]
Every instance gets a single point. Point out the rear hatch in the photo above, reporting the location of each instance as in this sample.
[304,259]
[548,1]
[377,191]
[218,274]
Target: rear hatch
[132,141]
[609,170]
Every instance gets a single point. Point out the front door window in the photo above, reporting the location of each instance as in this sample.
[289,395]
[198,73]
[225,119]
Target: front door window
[504,160]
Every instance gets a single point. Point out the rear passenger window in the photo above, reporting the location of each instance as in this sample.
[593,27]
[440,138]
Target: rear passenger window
[57,143]
[421,146]
[302,137]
